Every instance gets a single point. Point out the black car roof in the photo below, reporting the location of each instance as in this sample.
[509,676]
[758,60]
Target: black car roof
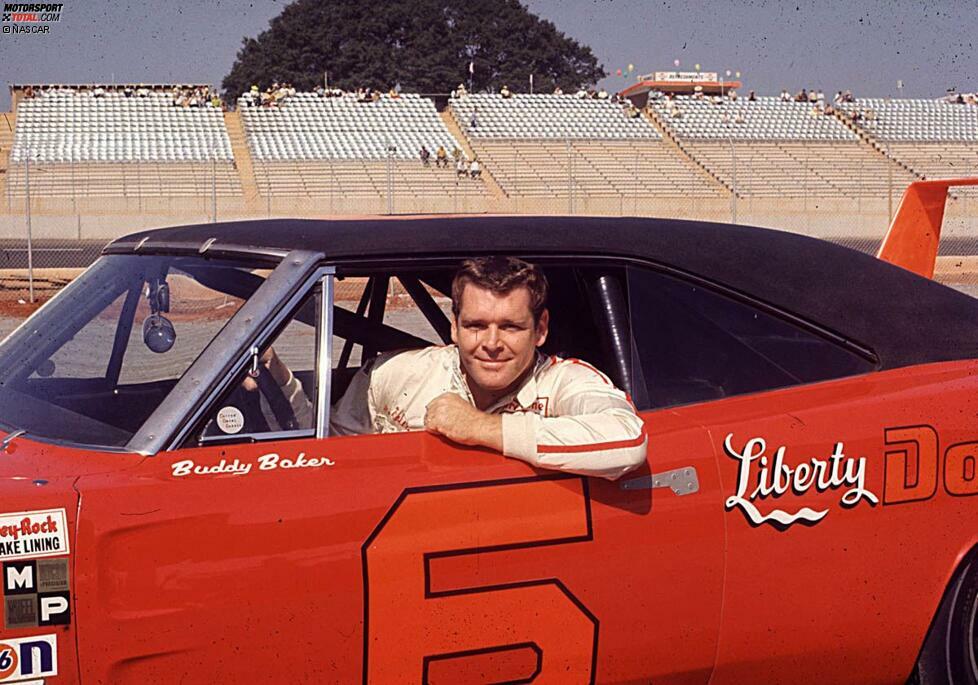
[904,318]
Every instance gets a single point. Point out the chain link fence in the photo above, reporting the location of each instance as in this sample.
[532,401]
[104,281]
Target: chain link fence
[56,217]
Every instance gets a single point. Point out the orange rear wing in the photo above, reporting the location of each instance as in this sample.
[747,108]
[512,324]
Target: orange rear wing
[911,241]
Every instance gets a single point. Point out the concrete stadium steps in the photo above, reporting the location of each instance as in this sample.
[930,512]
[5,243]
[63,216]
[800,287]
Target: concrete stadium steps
[86,179]
[612,168]
[363,179]
[799,169]
[451,123]
[242,157]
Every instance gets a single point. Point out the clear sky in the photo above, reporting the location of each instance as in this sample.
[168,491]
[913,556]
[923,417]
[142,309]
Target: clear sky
[830,44]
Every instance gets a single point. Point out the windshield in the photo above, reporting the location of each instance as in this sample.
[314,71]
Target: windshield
[92,365]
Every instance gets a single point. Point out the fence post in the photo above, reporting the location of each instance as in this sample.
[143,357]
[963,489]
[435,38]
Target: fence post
[390,178]
[570,177]
[733,177]
[30,245]
[889,185]
[213,182]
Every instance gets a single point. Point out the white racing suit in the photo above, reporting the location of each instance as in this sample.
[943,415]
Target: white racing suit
[567,415]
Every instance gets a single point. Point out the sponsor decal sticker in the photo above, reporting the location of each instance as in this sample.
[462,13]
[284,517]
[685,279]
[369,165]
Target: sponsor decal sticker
[36,593]
[230,420]
[238,467]
[765,474]
[29,657]
[32,534]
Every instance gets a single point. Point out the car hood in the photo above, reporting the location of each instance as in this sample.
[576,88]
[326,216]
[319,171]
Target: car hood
[38,463]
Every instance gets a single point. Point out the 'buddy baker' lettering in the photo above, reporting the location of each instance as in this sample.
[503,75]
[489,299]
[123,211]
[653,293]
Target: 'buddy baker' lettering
[775,478]
[266,462]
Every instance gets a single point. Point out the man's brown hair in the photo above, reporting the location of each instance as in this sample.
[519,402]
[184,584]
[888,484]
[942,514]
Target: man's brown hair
[501,275]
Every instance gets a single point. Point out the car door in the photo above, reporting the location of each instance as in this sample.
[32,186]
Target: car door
[397,558]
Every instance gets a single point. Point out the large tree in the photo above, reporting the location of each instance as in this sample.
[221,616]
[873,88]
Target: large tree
[424,45]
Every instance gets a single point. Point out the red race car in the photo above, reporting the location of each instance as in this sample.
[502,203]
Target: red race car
[806,513]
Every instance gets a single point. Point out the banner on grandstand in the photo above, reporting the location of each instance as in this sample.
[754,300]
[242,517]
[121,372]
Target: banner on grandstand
[687,76]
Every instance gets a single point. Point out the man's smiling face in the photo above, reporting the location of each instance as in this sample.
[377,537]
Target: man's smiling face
[497,340]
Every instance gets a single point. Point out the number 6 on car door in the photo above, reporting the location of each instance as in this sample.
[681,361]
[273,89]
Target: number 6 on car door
[408,625]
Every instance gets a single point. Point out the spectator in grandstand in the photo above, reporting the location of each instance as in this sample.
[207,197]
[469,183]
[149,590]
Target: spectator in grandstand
[785,96]
[847,96]
[456,154]
[29,92]
[460,91]
[674,110]
[475,169]
[142,91]
[461,168]
[631,111]
[558,91]
[441,157]
[127,91]
[425,156]
[506,92]
[474,118]
[801,96]
[812,96]
[751,97]
[732,94]
[98,92]
[581,93]
[393,94]
[838,97]
[602,94]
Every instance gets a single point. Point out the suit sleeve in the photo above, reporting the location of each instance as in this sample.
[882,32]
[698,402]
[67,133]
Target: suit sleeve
[594,430]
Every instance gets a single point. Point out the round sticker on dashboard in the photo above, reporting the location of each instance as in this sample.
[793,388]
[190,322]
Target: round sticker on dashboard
[230,420]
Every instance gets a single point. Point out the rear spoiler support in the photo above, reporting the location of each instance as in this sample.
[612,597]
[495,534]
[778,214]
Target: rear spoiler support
[913,237]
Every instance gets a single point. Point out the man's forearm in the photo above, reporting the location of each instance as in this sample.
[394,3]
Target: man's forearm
[488,432]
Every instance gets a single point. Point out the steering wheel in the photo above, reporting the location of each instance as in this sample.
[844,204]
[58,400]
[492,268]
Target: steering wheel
[277,401]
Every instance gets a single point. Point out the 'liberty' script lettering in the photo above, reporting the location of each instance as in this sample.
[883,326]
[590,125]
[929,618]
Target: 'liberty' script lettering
[770,476]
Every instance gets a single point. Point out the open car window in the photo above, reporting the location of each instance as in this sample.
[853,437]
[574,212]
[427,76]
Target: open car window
[377,311]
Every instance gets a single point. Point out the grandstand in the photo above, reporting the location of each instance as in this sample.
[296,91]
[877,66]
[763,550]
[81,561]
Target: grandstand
[934,138]
[114,145]
[562,145]
[772,148]
[122,154]
[340,147]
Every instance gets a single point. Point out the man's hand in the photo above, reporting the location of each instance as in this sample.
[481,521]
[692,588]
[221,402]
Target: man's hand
[451,416]
[270,362]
